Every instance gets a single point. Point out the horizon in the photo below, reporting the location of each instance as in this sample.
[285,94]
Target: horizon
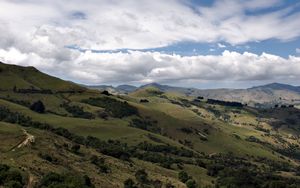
[138,86]
[207,44]
[163,84]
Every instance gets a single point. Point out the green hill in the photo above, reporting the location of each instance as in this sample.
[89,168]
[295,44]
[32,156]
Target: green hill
[30,78]
[149,138]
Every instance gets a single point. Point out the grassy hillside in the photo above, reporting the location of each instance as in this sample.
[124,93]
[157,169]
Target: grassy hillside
[29,77]
[149,138]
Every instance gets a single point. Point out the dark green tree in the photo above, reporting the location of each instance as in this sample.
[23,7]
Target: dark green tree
[183,176]
[38,107]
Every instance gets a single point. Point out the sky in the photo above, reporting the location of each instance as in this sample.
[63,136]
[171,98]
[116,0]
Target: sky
[190,43]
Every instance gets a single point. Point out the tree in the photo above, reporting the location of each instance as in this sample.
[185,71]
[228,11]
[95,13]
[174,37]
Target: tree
[129,183]
[183,176]
[38,107]
[191,183]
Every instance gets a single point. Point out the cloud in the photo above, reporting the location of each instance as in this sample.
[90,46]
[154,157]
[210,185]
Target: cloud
[143,67]
[298,50]
[36,33]
[107,25]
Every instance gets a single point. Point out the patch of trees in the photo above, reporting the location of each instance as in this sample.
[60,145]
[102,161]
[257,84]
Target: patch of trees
[164,155]
[77,111]
[216,112]
[48,157]
[115,108]
[224,103]
[10,178]
[32,90]
[38,107]
[188,180]
[106,93]
[185,102]
[145,124]
[20,102]
[235,171]
[112,148]
[65,180]
[142,180]
[144,101]
[292,151]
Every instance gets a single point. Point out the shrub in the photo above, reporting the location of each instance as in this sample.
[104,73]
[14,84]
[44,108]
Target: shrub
[38,107]
[191,183]
[183,176]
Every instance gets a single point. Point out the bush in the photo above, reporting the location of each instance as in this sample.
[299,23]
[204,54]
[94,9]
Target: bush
[191,183]
[183,176]
[38,107]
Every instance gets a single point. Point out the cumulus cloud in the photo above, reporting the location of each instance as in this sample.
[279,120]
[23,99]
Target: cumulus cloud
[106,25]
[36,33]
[144,67]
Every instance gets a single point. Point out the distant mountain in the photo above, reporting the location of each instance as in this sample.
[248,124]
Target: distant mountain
[278,86]
[126,88]
[266,95]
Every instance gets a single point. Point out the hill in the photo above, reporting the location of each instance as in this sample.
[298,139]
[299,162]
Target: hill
[29,78]
[149,138]
[260,96]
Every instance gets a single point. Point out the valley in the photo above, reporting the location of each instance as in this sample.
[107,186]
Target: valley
[55,133]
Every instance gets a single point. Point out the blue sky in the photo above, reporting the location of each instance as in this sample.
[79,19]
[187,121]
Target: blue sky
[196,43]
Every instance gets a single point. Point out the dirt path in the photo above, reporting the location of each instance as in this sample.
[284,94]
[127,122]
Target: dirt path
[29,139]
[30,181]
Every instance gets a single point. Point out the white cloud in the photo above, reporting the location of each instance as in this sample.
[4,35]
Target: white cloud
[35,32]
[143,24]
[141,67]
[297,50]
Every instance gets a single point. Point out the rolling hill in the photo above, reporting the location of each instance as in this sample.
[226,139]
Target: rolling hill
[156,136]
[264,96]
